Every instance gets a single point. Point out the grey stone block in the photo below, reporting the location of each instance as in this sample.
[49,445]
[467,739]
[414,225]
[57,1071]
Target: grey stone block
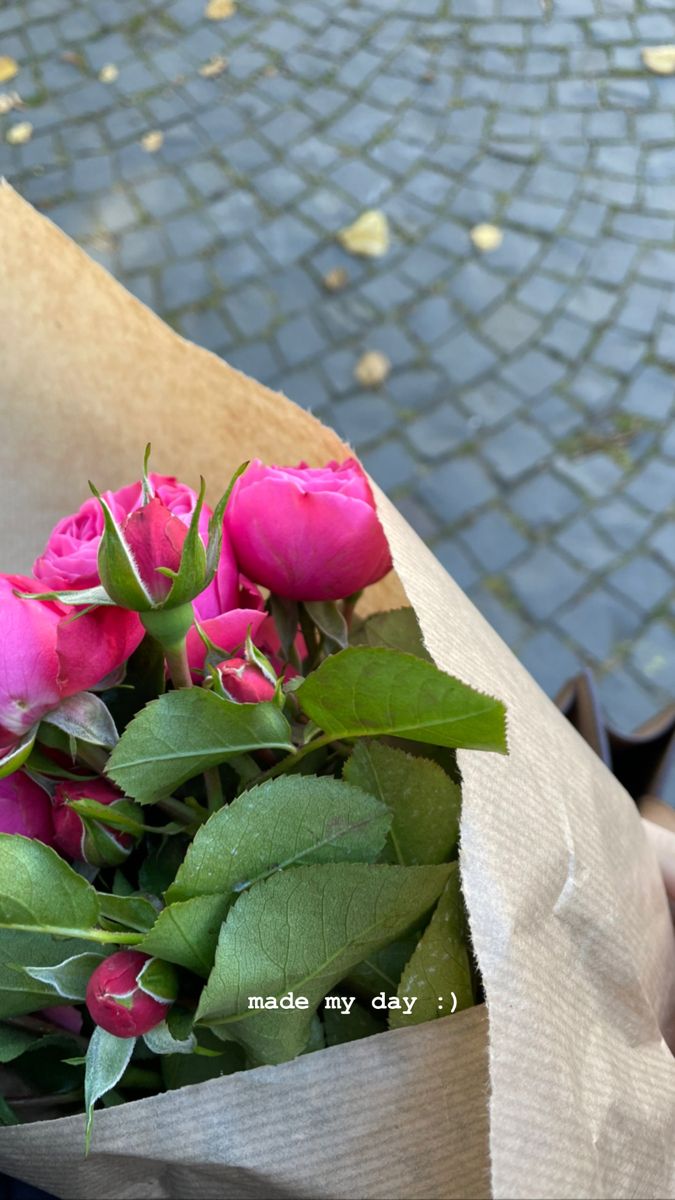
[456,488]
[185,283]
[494,541]
[544,501]
[544,582]
[515,450]
[599,623]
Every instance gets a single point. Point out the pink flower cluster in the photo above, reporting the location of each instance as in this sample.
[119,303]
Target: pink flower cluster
[305,534]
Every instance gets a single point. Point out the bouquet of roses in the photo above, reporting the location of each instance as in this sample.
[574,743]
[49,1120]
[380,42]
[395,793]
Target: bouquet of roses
[560,1084]
[229,806]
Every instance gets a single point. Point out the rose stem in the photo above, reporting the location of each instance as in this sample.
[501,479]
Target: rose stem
[181,677]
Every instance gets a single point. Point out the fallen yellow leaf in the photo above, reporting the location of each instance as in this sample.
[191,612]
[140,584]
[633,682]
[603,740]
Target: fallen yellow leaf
[215,66]
[108,73]
[9,67]
[486,237]
[72,57]
[372,369]
[368,236]
[152,141]
[18,134]
[220,10]
[659,59]
[335,280]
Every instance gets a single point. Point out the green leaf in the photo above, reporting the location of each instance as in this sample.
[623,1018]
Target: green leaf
[301,932]
[13,1042]
[86,717]
[16,757]
[107,1060]
[329,620]
[364,691]
[279,823]
[146,485]
[397,629]
[163,858]
[121,814]
[341,1027]
[190,578]
[76,596]
[215,539]
[439,972]
[184,733]
[116,566]
[45,1067]
[18,992]
[133,912]
[383,969]
[286,617]
[161,1041]
[424,801]
[158,979]
[7,1114]
[186,933]
[68,979]
[40,892]
[179,1070]
[40,763]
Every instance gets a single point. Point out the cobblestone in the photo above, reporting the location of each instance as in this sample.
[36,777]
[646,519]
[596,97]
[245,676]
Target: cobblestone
[526,426]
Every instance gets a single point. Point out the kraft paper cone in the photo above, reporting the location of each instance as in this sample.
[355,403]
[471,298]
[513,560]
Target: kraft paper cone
[567,908]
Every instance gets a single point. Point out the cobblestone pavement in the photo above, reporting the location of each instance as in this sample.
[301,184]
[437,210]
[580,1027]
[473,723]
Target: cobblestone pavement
[525,429]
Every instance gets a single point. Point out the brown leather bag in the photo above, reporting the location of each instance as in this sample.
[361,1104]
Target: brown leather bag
[643,761]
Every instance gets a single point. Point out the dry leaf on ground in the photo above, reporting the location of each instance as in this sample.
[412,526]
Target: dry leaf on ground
[9,67]
[152,141]
[368,236]
[335,280]
[372,369]
[486,237]
[220,10]
[72,57]
[18,134]
[659,59]
[108,73]
[215,66]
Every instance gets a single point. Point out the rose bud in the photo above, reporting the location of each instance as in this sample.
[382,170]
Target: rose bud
[307,533]
[126,996]
[70,558]
[244,682]
[25,808]
[156,539]
[86,839]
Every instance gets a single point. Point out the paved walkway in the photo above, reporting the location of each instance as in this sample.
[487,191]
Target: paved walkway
[525,428]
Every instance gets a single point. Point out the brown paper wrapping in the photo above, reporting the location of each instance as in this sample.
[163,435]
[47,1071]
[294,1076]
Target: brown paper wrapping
[568,913]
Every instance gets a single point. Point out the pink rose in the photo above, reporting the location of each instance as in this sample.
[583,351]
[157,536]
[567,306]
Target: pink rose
[244,682]
[25,808]
[115,1000]
[219,615]
[46,656]
[70,558]
[307,533]
[95,842]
